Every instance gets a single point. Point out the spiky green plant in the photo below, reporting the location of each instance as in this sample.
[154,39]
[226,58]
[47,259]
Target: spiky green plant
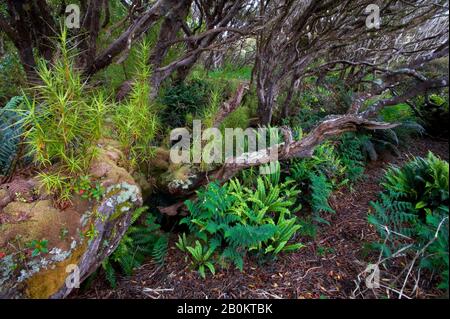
[210,112]
[61,124]
[136,119]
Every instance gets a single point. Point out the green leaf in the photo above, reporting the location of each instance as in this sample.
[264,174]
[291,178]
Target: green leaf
[421,205]
[211,267]
[201,270]
[36,252]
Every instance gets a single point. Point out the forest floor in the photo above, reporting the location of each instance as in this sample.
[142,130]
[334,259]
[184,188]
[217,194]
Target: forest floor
[326,267]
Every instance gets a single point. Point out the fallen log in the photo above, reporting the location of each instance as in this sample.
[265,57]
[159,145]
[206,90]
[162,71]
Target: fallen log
[289,149]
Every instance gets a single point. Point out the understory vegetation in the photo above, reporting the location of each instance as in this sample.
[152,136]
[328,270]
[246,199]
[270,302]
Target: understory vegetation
[412,215]
[144,73]
[233,219]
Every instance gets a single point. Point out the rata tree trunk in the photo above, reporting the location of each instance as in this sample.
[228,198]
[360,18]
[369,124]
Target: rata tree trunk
[267,93]
[30,27]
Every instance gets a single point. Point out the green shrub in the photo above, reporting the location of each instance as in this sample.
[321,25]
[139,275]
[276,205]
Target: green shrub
[434,113]
[227,222]
[183,99]
[315,102]
[12,76]
[240,118]
[396,113]
[414,204]
[409,126]
[229,72]
[307,117]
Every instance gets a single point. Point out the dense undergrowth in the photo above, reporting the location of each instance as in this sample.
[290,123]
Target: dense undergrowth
[412,214]
[58,123]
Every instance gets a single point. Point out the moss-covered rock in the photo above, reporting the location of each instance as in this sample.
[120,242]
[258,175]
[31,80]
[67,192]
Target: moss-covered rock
[39,241]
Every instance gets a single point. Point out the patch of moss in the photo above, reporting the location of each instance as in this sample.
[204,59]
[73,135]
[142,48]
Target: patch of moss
[48,282]
[44,221]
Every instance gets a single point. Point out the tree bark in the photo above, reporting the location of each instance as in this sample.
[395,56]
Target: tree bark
[168,33]
[132,34]
[30,25]
[290,94]
[266,93]
[91,27]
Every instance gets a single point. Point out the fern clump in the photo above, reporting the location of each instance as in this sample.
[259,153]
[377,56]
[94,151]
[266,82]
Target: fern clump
[319,176]
[321,191]
[229,221]
[414,208]
[351,152]
[10,133]
[140,242]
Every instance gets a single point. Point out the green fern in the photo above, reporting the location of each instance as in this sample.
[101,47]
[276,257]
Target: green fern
[351,152]
[414,203]
[10,132]
[240,219]
[138,243]
[110,273]
[321,190]
[248,236]
[160,249]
